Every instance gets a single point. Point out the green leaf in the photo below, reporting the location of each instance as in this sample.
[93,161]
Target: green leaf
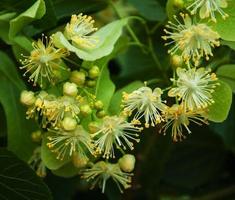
[222,96]
[231,44]
[226,129]
[115,105]
[150,9]
[108,36]
[18,181]
[18,128]
[48,157]
[104,87]
[8,69]
[226,27]
[36,11]
[4,24]
[226,73]
[67,171]
[197,160]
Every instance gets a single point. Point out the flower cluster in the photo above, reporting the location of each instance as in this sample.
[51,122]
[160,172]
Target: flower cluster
[75,124]
[192,89]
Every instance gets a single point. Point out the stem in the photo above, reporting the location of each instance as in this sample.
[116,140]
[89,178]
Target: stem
[131,32]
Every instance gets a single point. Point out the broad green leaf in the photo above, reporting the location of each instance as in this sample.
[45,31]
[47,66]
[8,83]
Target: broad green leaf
[150,9]
[226,27]
[18,128]
[108,36]
[49,157]
[226,129]
[195,161]
[68,170]
[222,96]
[22,45]
[231,44]
[36,11]
[226,73]
[4,24]
[18,181]
[9,70]
[104,87]
[115,104]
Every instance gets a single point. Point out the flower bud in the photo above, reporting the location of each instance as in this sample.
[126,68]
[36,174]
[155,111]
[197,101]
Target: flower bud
[176,61]
[85,110]
[93,127]
[27,98]
[94,72]
[36,136]
[127,163]
[70,89]
[178,3]
[91,83]
[78,78]
[79,161]
[69,124]
[100,114]
[99,105]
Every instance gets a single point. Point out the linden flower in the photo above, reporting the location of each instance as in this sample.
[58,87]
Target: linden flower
[79,31]
[179,118]
[36,163]
[55,110]
[115,130]
[194,40]
[148,104]
[66,143]
[102,171]
[43,61]
[194,87]
[207,8]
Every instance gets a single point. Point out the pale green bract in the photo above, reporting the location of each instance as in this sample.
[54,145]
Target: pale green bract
[108,36]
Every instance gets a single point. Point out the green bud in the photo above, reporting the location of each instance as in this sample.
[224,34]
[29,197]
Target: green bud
[91,83]
[85,110]
[27,98]
[94,72]
[69,124]
[127,163]
[79,161]
[93,127]
[176,61]
[178,3]
[100,114]
[99,105]
[36,136]
[78,77]
[70,89]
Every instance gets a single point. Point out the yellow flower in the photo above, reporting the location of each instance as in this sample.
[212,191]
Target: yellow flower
[208,8]
[179,118]
[194,87]
[117,131]
[102,171]
[194,40]
[43,61]
[66,143]
[79,30]
[148,104]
